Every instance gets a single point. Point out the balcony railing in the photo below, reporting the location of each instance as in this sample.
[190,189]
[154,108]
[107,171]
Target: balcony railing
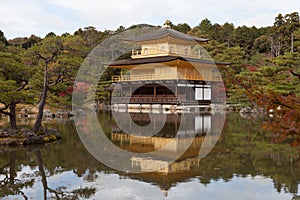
[149,99]
[150,77]
[157,52]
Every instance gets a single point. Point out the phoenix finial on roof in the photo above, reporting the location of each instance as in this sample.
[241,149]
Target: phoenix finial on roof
[167,24]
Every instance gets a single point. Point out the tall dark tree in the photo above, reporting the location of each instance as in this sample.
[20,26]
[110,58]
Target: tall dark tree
[282,33]
[228,33]
[292,24]
[59,58]
[182,27]
[204,29]
[32,40]
[245,37]
[50,34]
[217,33]
[47,52]
[279,20]
[14,76]
[262,44]
[3,39]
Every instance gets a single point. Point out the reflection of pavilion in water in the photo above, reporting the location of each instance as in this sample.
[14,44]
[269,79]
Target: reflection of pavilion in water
[193,132]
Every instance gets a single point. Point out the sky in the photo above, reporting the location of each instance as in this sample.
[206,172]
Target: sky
[22,18]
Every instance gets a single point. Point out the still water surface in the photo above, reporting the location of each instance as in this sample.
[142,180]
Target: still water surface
[242,164]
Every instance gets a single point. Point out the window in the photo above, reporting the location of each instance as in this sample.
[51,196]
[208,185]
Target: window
[198,93]
[203,93]
[163,49]
[146,51]
[172,49]
[207,93]
[186,51]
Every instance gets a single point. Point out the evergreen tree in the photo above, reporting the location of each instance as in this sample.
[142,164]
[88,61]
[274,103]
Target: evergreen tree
[14,77]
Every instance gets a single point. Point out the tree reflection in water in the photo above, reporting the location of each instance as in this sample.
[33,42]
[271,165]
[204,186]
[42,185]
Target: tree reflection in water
[9,185]
[66,170]
[14,184]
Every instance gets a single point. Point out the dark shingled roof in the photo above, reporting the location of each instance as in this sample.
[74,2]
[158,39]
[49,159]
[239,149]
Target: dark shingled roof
[164,32]
[159,59]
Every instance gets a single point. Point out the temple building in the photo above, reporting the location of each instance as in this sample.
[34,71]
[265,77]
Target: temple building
[167,69]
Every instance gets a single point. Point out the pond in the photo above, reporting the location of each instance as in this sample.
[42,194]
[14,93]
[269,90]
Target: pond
[240,164]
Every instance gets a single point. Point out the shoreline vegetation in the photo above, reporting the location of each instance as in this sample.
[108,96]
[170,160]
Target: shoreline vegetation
[24,136]
[264,71]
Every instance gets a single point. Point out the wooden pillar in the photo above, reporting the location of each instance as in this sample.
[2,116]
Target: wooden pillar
[176,125]
[176,90]
[154,124]
[110,96]
[121,90]
[185,92]
[154,93]
[121,142]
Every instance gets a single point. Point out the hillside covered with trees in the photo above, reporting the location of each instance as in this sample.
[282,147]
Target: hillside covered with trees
[264,71]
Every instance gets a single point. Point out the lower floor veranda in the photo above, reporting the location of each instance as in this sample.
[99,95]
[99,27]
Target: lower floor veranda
[176,92]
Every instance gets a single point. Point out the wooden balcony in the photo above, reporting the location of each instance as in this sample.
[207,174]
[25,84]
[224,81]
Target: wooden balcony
[170,99]
[149,99]
[171,52]
[150,77]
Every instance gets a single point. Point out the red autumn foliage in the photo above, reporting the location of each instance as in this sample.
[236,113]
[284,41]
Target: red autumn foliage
[68,91]
[250,68]
[283,109]
[285,123]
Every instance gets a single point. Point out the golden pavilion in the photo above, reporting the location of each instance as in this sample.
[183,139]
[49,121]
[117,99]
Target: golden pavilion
[167,69]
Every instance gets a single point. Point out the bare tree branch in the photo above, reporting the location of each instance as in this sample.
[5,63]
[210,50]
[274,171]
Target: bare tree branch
[4,108]
[59,79]
[40,56]
[23,194]
[280,103]
[22,86]
[56,193]
[54,54]
[295,74]
[48,60]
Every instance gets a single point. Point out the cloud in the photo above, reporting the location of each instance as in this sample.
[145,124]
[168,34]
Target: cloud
[18,19]
[22,18]
[260,20]
[118,12]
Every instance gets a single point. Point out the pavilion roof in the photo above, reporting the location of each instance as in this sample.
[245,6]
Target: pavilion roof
[159,59]
[164,32]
